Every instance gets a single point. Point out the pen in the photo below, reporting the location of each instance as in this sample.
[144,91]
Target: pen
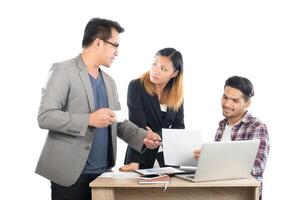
[166,186]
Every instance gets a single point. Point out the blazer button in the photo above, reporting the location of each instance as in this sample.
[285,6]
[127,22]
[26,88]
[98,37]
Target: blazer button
[87,148]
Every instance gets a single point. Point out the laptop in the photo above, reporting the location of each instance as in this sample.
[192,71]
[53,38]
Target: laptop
[224,160]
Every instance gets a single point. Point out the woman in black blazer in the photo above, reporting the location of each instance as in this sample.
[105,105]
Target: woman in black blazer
[155,100]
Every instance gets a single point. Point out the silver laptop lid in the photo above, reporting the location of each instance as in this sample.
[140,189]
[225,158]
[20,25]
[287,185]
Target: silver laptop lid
[226,160]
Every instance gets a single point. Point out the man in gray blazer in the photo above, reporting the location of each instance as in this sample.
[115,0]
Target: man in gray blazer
[77,108]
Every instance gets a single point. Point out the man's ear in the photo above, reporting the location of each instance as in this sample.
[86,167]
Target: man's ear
[97,42]
[248,103]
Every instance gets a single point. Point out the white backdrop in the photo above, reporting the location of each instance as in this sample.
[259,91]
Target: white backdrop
[256,39]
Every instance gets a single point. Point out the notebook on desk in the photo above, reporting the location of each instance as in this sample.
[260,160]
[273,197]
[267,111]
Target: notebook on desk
[158,171]
[224,160]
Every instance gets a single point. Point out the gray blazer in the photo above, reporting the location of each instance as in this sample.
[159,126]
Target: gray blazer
[66,103]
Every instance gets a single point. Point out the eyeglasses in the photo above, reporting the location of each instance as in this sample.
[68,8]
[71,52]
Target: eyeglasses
[111,43]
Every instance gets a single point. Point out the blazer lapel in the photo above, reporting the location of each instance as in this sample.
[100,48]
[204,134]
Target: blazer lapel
[169,116]
[108,90]
[156,107]
[111,105]
[86,82]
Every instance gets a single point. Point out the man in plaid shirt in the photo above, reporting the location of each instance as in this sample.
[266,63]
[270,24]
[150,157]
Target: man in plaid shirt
[239,124]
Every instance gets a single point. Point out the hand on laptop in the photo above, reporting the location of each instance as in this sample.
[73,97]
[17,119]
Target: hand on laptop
[196,154]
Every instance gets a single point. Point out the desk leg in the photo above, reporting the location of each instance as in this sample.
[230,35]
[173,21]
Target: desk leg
[103,194]
[256,193]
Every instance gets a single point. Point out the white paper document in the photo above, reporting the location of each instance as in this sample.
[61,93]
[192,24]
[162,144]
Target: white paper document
[120,175]
[179,145]
[120,115]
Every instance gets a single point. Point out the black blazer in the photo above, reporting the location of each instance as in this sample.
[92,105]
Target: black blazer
[144,110]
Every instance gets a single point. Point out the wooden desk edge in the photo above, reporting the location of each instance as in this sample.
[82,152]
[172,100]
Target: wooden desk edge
[175,182]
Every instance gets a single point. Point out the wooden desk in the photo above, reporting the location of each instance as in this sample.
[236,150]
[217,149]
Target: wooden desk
[129,189]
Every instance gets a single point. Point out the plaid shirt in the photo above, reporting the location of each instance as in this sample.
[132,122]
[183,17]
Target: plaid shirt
[247,129]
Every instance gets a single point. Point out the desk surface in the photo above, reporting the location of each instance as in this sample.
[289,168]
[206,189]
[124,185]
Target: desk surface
[175,182]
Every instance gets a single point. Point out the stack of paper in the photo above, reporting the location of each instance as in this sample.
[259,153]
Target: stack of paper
[119,175]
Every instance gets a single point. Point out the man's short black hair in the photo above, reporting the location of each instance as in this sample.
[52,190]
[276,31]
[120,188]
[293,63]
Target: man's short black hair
[99,28]
[241,83]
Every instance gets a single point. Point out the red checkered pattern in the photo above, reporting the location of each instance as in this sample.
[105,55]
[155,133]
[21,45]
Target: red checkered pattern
[247,129]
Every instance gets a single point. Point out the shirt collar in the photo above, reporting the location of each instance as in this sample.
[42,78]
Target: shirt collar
[247,117]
